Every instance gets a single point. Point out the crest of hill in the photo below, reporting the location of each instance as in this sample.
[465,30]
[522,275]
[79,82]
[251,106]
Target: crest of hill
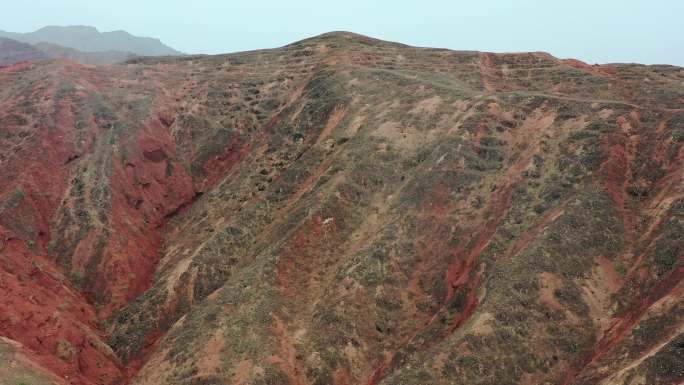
[345,38]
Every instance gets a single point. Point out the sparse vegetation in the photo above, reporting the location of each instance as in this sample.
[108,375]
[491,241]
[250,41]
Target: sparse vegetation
[346,210]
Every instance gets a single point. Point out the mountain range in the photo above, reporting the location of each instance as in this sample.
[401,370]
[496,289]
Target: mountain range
[83,44]
[342,210]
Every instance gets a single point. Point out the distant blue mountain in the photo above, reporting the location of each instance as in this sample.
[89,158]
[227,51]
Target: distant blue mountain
[89,39]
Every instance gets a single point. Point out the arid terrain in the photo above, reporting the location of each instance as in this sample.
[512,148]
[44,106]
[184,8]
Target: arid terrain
[342,210]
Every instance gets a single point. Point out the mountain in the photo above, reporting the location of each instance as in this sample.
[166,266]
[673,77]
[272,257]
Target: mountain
[12,51]
[55,51]
[89,39]
[342,210]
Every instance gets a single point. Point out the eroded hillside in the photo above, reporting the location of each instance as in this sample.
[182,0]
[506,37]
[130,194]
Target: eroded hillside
[343,210]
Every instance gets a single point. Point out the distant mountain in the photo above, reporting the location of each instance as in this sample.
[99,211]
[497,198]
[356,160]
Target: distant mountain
[89,39]
[12,51]
[54,51]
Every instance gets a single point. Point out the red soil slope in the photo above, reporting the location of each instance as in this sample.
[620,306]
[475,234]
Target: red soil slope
[342,210]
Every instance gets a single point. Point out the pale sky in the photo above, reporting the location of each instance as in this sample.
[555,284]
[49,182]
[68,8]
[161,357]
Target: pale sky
[595,31]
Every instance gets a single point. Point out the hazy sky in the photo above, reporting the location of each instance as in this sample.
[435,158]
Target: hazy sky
[596,31]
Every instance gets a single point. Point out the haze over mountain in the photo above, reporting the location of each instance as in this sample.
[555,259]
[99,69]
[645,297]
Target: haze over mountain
[89,39]
[342,210]
[55,51]
[12,51]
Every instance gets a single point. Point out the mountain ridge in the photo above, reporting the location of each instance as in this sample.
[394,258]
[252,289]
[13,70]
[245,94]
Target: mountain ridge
[90,39]
[12,51]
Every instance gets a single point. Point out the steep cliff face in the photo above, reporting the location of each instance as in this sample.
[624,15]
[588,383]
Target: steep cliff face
[344,210]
